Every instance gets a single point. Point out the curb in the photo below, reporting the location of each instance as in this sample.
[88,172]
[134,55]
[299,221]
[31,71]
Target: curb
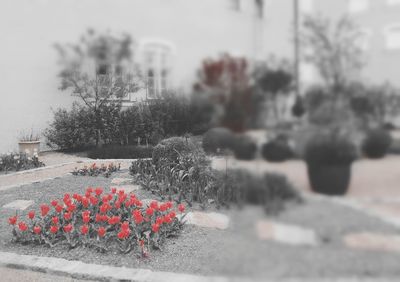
[81,270]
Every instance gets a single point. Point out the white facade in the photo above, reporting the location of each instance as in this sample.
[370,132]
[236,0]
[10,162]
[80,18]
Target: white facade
[178,33]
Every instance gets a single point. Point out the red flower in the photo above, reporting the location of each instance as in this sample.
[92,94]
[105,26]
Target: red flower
[31,214]
[98,217]
[68,228]
[37,230]
[149,211]
[169,205]
[86,219]
[54,203]
[113,190]
[138,203]
[128,203]
[105,199]
[160,220]
[75,196]
[101,231]
[104,207]
[98,191]
[181,207]
[12,220]
[154,205]
[85,202]
[167,219]
[172,214]
[94,201]
[117,205]
[54,219]
[123,234]
[89,189]
[137,216]
[163,207]
[125,225]
[87,194]
[67,216]
[71,208]
[155,227]
[114,220]
[84,229]
[59,208]
[44,209]
[22,226]
[54,229]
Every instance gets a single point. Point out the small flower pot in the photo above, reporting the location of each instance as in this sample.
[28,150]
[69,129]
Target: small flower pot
[329,179]
[30,148]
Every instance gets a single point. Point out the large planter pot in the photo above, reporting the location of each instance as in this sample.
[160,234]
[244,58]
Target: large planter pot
[329,179]
[29,147]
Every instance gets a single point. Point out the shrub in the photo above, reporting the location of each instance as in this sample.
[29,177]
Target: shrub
[217,139]
[170,149]
[94,170]
[72,129]
[244,148]
[329,149]
[17,162]
[121,152]
[376,143]
[277,150]
[271,190]
[103,221]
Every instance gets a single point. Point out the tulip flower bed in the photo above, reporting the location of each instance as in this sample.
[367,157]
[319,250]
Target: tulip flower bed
[100,220]
[94,170]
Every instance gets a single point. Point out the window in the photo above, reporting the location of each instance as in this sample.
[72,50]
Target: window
[392,36]
[157,63]
[357,6]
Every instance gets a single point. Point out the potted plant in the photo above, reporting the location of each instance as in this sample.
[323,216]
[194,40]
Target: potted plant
[29,143]
[329,158]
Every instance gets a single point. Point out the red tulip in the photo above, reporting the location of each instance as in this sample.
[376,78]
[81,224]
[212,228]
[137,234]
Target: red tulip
[149,211]
[85,202]
[71,208]
[54,203]
[12,220]
[68,228]
[114,220]
[101,231]
[67,215]
[84,229]
[54,229]
[155,227]
[113,190]
[54,219]
[98,191]
[37,230]
[94,201]
[138,203]
[169,205]
[167,219]
[160,220]
[125,225]
[59,208]
[181,207]
[123,234]
[86,219]
[44,209]
[22,226]
[31,214]
[154,205]
[172,214]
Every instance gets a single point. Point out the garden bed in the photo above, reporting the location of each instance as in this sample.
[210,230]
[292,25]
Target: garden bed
[235,251]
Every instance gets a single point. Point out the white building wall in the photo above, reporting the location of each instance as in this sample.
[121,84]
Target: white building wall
[29,28]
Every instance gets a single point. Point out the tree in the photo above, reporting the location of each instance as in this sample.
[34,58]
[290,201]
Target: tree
[273,81]
[226,81]
[99,70]
[333,47]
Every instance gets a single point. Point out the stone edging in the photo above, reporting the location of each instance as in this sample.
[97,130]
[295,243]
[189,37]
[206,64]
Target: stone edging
[81,270]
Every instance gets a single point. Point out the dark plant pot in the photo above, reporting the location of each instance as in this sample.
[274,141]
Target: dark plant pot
[329,179]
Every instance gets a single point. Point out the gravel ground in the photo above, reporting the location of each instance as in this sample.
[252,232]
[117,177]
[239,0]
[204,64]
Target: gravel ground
[235,251]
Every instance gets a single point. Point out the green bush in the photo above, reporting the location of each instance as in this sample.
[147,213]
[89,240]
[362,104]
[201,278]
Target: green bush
[121,152]
[376,144]
[17,162]
[330,149]
[71,130]
[217,139]
[170,149]
[244,148]
[277,150]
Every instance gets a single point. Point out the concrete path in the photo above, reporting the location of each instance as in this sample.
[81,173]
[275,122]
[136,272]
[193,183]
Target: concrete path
[57,165]
[374,187]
